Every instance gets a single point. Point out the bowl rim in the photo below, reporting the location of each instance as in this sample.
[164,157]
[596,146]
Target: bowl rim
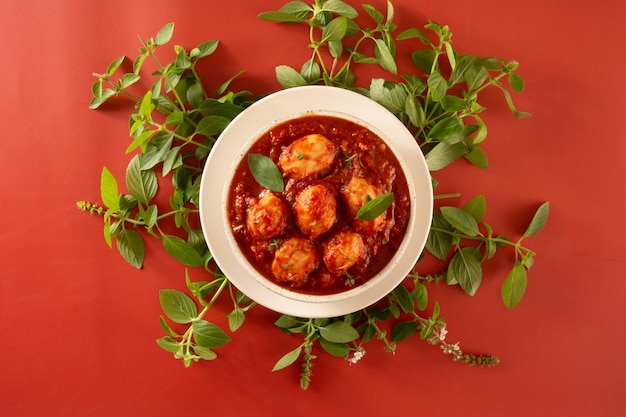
[233,144]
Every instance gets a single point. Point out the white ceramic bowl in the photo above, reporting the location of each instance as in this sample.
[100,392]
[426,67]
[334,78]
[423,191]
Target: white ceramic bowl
[233,144]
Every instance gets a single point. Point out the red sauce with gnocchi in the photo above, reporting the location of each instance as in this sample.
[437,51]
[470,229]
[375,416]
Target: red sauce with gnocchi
[307,238]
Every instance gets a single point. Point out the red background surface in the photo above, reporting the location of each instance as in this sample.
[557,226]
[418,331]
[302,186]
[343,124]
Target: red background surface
[78,324]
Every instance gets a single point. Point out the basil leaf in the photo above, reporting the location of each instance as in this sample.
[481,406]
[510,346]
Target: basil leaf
[287,359]
[130,246]
[514,285]
[437,85]
[539,220]
[424,59]
[341,8]
[477,207]
[443,154]
[465,268]
[142,184]
[516,82]
[265,172]
[205,353]
[108,190]
[178,306]
[168,344]
[182,251]
[404,298]
[461,220]
[236,319]
[204,49]
[289,77]
[281,17]
[439,242]
[340,350]
[447,129]
[403,330]
[385,56]
[375,207]
[113,66]
[335,30]
[339,332]
[420,294]
[477,157]
[208,335]
[311,71]
[165,34]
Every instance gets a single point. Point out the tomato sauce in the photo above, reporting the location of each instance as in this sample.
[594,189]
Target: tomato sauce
[360,153]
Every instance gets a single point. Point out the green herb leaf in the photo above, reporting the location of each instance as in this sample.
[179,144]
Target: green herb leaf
[156,150]
[204,49]
[403,330]
[439,242]
[404,298]
[453,104]
[374,14]
[266,173]
[465,62]
[450,54]
[340,350]
[195,94]
[289,77]
[168,344]
[113,66]
[393,97]
[286,322]
[375,207]
[514,285]
[446,129]
[539,220]
[311,71]
[178,306]
[475,76]
[335,30]
[414,33]
[420,294]
[167,328]
[205,353]
[339,332]
[130,246]
[108,190]
[424,59]
[476,207]
[211,125]
[298,8]
[481,133]
[516,82]
[208,335]
[341,8]
[141,184]
[443,154]
[236,319]
[437,85]
[335,48]
[385,56]
[461,220]
[465,269]
[477,157]
[281,17]
[127,80]
[287,359]
[182,251]
[165,34]
[150,215]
